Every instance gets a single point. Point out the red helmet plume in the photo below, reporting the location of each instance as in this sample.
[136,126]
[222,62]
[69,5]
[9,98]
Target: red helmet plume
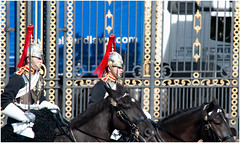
[26,44]
[104,62]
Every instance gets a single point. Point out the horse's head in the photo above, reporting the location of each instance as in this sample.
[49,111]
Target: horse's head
[127,115]
[216,122]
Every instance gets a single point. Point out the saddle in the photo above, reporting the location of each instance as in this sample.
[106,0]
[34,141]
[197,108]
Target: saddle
[44,127]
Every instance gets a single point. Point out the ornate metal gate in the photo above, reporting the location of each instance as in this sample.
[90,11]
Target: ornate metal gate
[183,54]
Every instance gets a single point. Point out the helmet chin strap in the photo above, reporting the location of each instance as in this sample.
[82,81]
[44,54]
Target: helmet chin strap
[34,65]
[114,74]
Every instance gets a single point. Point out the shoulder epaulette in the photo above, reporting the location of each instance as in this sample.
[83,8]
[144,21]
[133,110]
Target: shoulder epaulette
[21,70]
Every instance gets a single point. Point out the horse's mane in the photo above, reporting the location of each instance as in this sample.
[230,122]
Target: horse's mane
[89,113]
[179,112]
[182,112]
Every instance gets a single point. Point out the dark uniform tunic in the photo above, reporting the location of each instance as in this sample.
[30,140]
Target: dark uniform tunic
[16,82]
[98,91]
[44,125]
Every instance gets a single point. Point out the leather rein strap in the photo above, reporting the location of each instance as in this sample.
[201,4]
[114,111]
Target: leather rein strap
[165,130]
[63,122]
[123,116]
[92,135]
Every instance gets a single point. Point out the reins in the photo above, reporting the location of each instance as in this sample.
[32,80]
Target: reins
[63,122]
[119,113]
[91,135]
[124,118]
[165,130]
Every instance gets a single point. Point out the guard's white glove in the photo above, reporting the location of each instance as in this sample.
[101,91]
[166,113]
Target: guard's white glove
[49,105]
[24,129]
[14,112]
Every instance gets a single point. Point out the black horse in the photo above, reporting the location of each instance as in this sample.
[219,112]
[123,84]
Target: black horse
[207,122]
[117,111]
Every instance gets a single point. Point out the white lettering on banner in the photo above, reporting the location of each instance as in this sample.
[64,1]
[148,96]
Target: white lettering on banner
[86,40]
[94,40]
[132,39]
[124,40]
[100,41]
[118,40]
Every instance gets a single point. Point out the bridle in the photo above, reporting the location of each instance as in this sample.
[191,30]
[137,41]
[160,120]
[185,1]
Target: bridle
[208,127]
[134,129]
[206,123]
[134,136]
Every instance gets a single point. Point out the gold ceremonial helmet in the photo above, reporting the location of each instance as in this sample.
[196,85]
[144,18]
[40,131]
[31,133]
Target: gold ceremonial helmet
[115,60]
[36,51]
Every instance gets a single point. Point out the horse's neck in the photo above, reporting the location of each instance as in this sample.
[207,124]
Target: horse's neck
[186,127]
[98,126]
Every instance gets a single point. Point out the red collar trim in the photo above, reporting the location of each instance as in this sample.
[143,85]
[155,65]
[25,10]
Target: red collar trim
[109,77]
[27,69]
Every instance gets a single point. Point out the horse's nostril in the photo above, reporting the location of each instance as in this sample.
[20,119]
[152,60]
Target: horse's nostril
[148,132]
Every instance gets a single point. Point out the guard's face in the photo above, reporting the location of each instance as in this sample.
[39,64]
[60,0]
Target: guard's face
[38,62]
[118,71]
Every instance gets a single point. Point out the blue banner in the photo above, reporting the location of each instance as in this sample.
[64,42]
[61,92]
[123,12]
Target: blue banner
[90,34]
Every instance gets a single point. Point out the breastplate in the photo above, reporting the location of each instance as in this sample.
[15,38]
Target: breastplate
[35,92]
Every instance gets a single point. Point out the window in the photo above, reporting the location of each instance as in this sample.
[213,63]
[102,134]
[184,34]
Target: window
[223,27]
[177,7]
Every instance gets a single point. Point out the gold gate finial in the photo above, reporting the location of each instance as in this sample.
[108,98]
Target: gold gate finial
[109,15]
[197,28]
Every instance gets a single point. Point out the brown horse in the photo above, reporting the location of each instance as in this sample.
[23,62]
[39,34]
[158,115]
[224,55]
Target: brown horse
[207,122]
[117,111]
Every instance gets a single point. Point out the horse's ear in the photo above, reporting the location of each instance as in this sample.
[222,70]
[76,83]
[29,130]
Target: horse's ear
[109,90]
[215,101]
[212,105]
[121,88]
[204,108]
[120,91]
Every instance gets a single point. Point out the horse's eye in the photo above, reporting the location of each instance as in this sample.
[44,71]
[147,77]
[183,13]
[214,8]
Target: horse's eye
[124,105]
[217,123]
[127,107]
